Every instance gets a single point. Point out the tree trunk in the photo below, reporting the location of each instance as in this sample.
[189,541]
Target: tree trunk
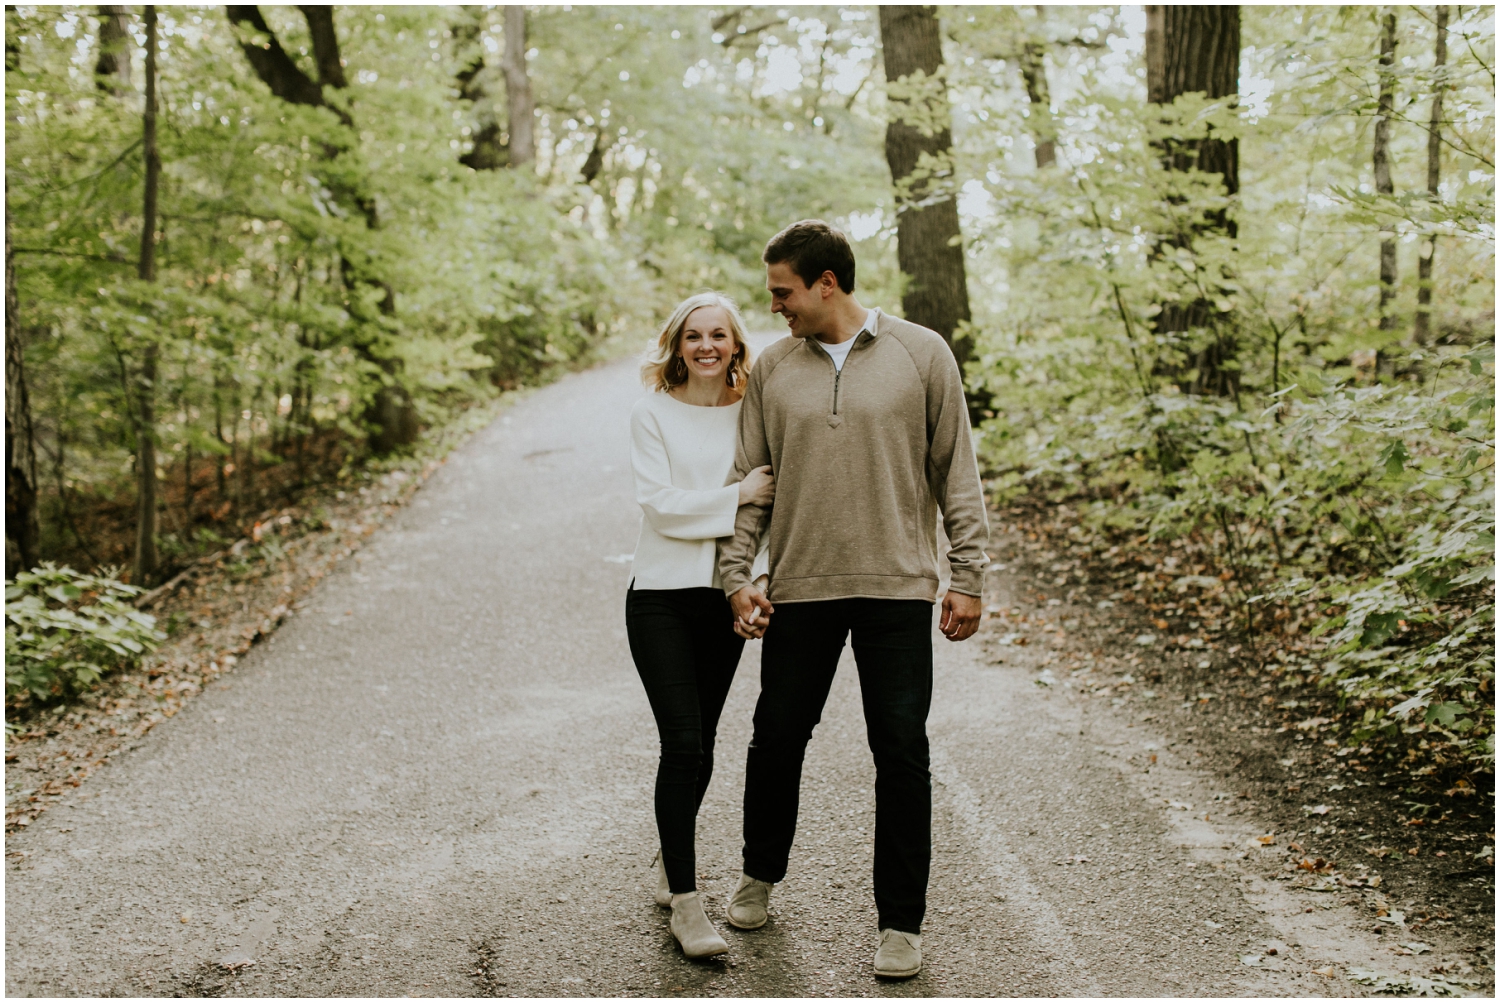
[1422,329]
[145,438]
[1039,96]
[113,67]
[488,152]
[1382,163]
[22,527]
[1196,49]
[929,244]
[594,163]
[520,106]
[325,41]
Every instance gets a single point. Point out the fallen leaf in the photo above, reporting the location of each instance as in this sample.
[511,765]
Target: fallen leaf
[1416,947]
[1265,840]
[1328,971]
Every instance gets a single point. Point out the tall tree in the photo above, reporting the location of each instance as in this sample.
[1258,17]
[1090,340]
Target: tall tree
[919,150]
[1385,108]
[1196,49]
[391,413]
[22,530]
[145,431]
[1422,329]
[113,66]
[520,106]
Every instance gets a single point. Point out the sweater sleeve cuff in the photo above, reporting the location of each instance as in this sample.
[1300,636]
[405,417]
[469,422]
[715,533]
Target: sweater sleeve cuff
[968,581]
[734,580]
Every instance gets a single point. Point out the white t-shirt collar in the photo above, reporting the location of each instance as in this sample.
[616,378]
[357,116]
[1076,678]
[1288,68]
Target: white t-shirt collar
[838,353]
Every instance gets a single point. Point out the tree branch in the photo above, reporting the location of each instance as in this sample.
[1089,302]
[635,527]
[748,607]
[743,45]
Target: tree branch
[276,69]
[325,44]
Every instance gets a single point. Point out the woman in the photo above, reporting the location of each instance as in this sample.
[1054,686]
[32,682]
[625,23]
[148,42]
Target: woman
[680,626]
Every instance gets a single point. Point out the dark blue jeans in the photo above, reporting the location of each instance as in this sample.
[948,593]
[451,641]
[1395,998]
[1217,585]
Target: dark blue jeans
[686,651]
[893,650]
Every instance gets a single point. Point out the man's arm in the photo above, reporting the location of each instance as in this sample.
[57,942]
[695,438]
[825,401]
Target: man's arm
[737,551]
[953,475]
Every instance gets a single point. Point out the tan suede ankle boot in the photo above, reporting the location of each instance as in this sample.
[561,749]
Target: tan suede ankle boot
[692,929]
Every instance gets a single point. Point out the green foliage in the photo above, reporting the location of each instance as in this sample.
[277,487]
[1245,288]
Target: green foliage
[64,630]
[1345,480]
[283,228]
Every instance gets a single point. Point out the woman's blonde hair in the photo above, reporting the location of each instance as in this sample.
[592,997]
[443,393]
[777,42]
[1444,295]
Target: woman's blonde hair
[664,368]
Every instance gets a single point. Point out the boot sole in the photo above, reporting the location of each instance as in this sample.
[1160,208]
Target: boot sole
[897,975]
[709,954]
[743,926]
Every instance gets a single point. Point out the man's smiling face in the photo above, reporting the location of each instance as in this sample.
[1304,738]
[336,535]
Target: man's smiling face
[804,307]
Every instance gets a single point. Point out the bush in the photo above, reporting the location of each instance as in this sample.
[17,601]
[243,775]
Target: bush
[64,630]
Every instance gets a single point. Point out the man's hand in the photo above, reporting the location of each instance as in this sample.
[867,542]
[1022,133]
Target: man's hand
[960,615]
[752,610]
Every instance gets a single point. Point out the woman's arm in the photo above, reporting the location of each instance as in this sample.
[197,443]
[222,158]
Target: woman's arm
[679,513]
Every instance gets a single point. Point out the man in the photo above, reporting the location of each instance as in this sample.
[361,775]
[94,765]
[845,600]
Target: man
[862,418]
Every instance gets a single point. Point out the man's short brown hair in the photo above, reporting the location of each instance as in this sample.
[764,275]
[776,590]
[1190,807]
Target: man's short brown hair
[813,247]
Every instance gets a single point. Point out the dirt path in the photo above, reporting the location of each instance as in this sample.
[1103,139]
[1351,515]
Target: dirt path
[435,780]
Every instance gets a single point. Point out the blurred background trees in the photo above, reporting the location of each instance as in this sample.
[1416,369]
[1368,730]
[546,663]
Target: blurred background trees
[1221,277]
[366,218]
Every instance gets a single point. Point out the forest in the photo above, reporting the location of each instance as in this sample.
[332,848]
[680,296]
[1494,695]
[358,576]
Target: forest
[1221,280]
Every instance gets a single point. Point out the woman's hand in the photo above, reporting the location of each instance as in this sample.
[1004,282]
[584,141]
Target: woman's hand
[758,487]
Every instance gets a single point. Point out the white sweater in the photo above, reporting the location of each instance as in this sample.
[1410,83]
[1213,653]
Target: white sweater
[681,455]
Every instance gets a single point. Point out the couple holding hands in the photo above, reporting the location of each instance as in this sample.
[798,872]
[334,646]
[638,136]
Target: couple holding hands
[798,500]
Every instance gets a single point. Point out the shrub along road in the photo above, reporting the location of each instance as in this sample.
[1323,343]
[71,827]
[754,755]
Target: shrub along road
[435,780]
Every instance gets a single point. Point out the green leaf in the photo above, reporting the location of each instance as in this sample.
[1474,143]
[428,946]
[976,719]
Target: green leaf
[1378,629]
[1394,457]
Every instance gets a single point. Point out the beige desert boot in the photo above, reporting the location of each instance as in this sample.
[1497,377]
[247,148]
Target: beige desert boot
[899,955]
[747,906]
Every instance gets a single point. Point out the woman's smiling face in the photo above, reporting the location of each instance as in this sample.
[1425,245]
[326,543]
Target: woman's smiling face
[707,343]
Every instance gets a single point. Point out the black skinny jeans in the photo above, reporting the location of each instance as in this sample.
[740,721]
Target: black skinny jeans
[893,650]
[686,650]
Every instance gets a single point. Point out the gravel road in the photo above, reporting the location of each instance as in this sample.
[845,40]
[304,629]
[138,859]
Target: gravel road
[435,779]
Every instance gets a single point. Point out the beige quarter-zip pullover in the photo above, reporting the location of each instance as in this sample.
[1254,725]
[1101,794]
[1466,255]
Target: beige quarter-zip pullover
[864,457]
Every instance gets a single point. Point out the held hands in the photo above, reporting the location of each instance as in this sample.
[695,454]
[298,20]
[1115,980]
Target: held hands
[752,610]
[758,487]
[960,615]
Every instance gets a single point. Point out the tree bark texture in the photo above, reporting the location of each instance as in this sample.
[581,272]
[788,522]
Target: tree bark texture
[1196,49]
[919,150]
[1422,328]
[113,66]
[145,432]
[520,106]
[22,527]
[1189,50]
[1385,109]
